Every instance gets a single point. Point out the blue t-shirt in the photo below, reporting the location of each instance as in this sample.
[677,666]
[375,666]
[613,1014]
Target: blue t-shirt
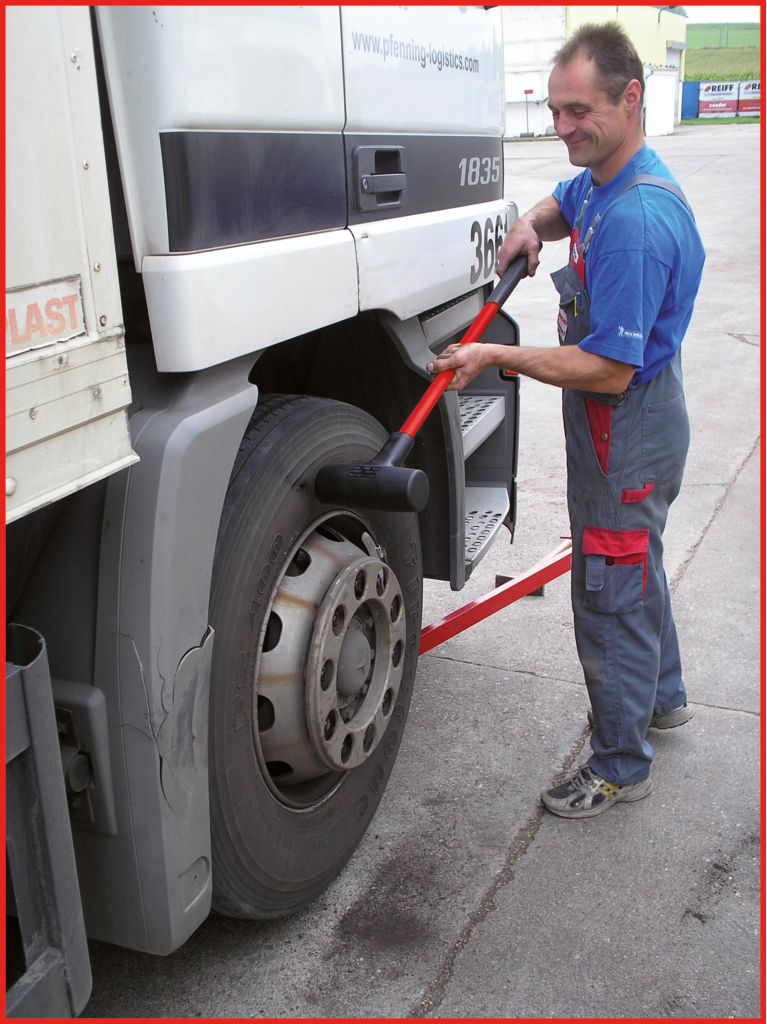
[643,267]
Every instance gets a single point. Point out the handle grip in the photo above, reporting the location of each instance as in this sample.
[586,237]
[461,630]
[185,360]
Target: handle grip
[513,274]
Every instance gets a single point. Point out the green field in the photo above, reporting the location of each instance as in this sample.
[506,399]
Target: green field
[733,35]
[732,65]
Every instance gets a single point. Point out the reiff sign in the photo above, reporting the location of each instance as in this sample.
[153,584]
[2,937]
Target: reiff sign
[718,99]
[749,98]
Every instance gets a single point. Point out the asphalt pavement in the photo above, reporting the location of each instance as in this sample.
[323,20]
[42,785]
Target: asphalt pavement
[465,899]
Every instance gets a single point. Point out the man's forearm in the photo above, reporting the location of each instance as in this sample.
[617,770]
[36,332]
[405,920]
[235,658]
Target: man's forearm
[547,221]
[565,367]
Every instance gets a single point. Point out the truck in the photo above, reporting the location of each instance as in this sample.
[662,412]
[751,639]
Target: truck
[235,238]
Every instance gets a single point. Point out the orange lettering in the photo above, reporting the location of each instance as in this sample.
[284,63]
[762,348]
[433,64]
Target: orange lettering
[69,301]
[35,323]
[16,338]
[51,311]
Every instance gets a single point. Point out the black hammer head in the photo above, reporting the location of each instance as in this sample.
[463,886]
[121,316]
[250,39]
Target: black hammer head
[384,488]
[382,484]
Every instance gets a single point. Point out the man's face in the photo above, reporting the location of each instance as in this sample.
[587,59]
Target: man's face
[591,126]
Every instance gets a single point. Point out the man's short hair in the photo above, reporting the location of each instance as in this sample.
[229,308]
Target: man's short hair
[613,53]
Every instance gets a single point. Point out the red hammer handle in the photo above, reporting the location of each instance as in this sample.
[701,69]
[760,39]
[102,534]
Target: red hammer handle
[515,271]
[435,390]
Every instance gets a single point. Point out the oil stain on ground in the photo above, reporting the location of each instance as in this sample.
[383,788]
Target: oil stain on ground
[382,918]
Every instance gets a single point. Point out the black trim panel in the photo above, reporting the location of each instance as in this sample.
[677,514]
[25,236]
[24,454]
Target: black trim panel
[227,188]
[432,166]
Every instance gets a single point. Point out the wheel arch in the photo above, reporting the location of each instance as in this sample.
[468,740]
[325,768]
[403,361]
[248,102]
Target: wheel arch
[362,362]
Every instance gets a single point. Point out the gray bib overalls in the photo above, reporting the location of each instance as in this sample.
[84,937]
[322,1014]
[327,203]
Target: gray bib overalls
[625,459]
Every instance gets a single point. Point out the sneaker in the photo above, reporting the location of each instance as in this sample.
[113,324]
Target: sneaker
[587,794]
[671,719]
[667,720]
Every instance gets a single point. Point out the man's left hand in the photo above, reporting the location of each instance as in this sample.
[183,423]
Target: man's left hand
[467,360]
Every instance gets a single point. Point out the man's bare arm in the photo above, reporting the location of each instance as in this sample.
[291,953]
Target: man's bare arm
[565,367]
[544,223]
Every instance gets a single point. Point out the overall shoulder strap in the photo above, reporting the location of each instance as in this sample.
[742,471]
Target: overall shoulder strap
[669,186]
[639,179]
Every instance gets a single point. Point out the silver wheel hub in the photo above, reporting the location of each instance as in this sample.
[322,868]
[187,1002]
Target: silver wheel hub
[332,659]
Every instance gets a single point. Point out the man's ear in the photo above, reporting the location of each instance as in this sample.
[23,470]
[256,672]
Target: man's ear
[632,95]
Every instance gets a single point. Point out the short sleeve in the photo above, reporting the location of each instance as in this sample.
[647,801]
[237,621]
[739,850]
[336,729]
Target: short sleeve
[627,290]
[563,194]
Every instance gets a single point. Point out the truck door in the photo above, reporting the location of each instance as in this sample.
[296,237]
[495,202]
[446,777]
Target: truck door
[423,144]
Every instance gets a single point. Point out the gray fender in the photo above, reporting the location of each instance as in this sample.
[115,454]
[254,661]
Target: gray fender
[149,886]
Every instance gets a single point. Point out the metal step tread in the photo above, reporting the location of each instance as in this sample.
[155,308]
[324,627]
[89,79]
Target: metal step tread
[486,508]
[480,416]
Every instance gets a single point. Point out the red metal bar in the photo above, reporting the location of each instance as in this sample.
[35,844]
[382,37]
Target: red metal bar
[415,420]
[553,565]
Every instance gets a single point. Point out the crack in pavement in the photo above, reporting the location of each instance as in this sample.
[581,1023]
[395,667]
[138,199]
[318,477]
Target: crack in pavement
[721,707]
[697,170]
[504,668]
[745,338]
[679,574]
[436,990]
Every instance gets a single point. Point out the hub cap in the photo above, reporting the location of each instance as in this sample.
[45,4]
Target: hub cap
[332,659]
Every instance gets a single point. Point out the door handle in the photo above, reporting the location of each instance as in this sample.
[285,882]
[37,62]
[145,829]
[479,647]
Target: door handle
[371,183]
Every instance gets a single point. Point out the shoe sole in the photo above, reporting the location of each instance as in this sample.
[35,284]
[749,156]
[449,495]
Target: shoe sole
[639,793]
[655,722]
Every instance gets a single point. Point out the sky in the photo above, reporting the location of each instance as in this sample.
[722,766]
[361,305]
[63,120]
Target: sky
[708,13]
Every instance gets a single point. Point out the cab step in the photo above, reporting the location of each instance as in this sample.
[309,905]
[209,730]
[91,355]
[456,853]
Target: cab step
[480,416]
[486,509]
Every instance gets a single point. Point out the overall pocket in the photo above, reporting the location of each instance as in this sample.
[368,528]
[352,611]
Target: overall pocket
[665,440]
[616,569]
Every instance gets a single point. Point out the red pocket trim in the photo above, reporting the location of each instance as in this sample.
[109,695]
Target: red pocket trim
[632,496]
[620,547]
[577,261]
[600,418]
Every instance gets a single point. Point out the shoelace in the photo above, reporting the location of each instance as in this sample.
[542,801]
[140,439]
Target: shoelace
[584,779]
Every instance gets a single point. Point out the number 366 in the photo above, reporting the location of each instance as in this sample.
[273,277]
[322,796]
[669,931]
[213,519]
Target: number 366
[487,247]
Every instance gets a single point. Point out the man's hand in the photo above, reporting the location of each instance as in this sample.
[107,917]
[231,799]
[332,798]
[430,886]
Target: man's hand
[522,238]
[466,360]
[544,223]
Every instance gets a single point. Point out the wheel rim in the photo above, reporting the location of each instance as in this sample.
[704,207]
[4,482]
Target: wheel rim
[330,662]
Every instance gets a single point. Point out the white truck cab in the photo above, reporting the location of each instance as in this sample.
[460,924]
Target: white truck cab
[236,236]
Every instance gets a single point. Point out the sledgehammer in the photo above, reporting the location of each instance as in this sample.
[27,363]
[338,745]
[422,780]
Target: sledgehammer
[384,483]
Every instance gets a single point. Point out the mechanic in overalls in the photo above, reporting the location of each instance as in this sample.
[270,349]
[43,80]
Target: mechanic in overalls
[626,297]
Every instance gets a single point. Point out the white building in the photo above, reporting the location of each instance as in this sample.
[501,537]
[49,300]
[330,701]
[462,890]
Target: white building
[532,36]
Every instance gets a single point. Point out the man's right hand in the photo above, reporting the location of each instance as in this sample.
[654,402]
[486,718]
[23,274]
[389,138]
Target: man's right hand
[521,238]
[544,223]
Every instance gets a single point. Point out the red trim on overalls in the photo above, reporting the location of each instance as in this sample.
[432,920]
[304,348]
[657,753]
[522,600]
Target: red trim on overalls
[620,547]
[600,418]
[577,262]
[633,496]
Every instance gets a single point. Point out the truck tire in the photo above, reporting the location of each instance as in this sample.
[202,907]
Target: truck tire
[317,616]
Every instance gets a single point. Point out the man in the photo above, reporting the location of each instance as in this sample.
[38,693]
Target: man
[626,298]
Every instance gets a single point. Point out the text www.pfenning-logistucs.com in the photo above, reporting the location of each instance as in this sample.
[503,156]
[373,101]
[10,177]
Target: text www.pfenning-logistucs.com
[427,56]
